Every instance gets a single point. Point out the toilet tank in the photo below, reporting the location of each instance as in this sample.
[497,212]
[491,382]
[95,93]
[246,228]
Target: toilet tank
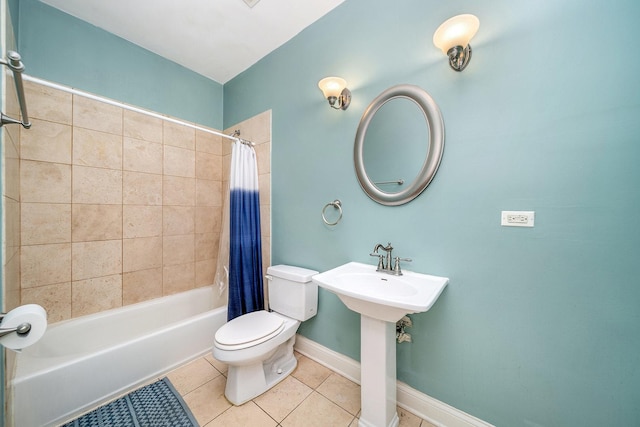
[291,291]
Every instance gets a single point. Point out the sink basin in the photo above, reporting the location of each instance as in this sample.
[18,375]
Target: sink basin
[380,295]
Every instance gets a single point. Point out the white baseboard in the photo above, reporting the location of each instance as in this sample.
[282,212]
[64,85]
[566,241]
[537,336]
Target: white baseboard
[420,404]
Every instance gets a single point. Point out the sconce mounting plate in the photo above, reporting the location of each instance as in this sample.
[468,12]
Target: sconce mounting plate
[345,99]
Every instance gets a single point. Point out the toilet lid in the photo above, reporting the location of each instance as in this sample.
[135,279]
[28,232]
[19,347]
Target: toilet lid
[249,329]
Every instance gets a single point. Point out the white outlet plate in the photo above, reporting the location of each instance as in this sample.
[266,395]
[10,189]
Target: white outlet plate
[517,218]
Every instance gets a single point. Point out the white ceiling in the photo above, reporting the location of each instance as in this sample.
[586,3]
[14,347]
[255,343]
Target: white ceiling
[216,38]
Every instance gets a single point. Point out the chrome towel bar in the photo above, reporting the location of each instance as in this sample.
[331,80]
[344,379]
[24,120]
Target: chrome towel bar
[397,181]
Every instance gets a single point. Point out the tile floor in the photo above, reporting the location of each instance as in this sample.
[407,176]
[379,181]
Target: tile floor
[312,395]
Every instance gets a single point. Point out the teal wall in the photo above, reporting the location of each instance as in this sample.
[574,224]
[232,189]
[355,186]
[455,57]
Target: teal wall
[538,326]
[57,47]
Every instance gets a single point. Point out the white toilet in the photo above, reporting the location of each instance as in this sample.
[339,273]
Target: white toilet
[258,346]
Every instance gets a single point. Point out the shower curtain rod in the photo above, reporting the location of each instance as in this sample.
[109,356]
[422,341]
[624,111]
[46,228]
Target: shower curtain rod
[235,136]
[14,62]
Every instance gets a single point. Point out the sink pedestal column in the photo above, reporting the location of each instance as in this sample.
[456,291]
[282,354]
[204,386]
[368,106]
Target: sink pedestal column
[378,373]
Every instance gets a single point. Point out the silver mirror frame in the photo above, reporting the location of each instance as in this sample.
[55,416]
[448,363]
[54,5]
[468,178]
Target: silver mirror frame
[435,146]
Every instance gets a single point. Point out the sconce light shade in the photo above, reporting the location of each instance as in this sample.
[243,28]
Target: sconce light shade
[453,36]
[335,91]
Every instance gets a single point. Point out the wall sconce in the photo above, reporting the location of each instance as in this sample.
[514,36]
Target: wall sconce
[453,36]
[336,92]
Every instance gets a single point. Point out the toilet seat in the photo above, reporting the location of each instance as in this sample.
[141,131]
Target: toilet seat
[248,330]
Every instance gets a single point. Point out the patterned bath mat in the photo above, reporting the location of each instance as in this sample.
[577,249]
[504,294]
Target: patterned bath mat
[154,405]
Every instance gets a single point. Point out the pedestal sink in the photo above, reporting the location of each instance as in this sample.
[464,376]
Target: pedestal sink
[381,299]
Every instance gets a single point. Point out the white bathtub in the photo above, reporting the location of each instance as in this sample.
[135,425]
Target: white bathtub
[83,362]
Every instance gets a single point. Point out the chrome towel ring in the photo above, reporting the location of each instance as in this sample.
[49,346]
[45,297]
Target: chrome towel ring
[336,204]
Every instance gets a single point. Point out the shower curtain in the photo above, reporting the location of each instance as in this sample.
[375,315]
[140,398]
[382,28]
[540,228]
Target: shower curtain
[245,248]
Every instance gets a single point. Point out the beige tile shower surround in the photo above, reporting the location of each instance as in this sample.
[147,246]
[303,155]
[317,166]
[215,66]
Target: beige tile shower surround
[11,200]
[118,207]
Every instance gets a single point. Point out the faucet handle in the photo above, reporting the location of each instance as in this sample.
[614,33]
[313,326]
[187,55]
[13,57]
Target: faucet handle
[380,261]
[396,265]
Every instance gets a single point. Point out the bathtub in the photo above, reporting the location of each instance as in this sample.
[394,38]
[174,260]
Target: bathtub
[83,362]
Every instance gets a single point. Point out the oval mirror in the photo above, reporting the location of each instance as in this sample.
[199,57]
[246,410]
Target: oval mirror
[399,145]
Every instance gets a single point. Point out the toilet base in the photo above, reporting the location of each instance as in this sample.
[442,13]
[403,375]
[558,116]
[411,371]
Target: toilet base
[249,381]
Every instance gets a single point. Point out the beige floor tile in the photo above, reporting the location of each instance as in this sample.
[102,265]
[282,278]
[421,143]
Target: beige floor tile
[221,367]
[340,390]
[407,419]
[208,401]
[248,414]
[283,398]
[192,375]
[317,411]
[309,372]
[292,403]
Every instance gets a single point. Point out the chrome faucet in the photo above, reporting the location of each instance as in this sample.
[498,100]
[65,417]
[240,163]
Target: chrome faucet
[382,266]
[387,267]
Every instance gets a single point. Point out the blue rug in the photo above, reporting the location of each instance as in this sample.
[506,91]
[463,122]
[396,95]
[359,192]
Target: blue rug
[154,405]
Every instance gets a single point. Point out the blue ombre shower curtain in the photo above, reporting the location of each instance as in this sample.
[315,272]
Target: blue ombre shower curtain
[245,248]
